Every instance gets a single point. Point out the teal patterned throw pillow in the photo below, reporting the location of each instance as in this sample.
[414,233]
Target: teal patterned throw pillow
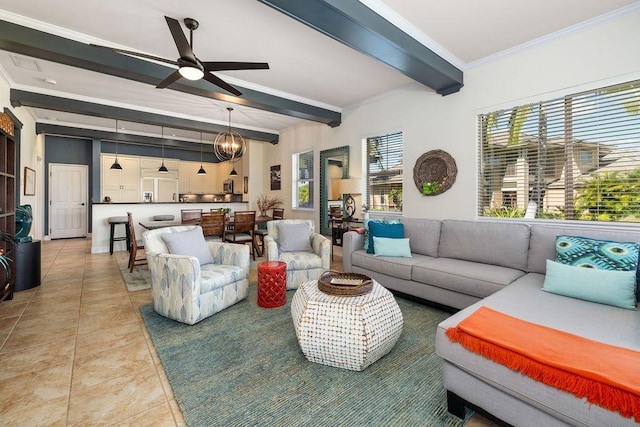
[599,254]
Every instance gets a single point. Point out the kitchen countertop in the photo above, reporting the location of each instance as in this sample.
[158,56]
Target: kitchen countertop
[163,203]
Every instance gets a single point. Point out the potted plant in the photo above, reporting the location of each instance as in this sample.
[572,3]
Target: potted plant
[265,203]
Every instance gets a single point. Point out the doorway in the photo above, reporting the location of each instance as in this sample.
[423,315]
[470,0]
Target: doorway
[334,164]
[67,201]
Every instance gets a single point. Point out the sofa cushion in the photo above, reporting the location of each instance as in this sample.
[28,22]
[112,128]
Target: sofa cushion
[467,277]
[216,276]
[383,229]
[189,243]
[384,246]
[617,288]
[367,235]
[543,241]
[424,235]
[498,243]
[391,266]
[300,260]
[597,254]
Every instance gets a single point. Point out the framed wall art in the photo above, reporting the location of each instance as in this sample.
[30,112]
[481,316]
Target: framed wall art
[275,177]
[29,182]
[246,184]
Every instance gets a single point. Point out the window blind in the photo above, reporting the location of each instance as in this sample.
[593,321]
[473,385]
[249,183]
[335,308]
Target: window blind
[384,164]
[570,158]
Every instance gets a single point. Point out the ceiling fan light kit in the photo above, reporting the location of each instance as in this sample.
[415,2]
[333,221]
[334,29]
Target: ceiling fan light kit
[190,72]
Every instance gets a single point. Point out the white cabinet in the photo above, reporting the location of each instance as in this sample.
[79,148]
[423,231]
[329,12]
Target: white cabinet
[121,185]
[192,183]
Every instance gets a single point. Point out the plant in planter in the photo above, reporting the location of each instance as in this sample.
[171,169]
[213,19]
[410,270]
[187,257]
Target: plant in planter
[429,188]
[265,203]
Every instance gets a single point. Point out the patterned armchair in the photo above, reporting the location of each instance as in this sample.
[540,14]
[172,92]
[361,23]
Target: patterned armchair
[184,290]
[301,266]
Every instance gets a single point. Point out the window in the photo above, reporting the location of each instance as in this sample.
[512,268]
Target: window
[383,180]
[571,158]
[303,182]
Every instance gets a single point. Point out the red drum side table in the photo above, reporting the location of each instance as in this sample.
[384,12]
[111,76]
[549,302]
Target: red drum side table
[272,284]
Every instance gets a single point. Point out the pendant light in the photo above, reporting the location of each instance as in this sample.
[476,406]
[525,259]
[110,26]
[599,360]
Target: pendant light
[115,164]
[233,172]
[201,171]
[163,168]
[229,146]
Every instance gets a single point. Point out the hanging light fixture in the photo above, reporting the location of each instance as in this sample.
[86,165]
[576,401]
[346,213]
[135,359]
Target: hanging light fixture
[201,171]
[115,164]
[233,172]
[163,168]
[229,146]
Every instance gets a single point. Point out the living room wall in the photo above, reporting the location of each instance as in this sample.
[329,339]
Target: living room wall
[592,56]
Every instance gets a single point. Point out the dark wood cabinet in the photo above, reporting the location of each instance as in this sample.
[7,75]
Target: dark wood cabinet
[7,207]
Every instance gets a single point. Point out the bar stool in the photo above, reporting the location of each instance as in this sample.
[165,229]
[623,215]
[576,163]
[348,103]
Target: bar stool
[117,220]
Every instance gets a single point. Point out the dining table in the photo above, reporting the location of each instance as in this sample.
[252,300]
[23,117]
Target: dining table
[152,225]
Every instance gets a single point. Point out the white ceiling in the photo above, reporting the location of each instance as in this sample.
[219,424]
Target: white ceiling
[304,64]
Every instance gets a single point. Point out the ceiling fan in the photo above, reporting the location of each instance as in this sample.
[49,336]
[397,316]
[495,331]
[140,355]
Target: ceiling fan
[189,66]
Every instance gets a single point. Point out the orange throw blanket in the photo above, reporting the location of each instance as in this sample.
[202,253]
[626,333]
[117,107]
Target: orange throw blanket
[608,376]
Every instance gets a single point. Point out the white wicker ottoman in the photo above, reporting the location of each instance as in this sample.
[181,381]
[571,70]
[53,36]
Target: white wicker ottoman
[346,332]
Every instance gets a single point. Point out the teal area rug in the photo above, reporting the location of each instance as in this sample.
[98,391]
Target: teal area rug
[243,367]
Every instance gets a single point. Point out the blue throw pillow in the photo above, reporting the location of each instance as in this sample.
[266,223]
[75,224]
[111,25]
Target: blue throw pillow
[367,236]
[598,254]
[615,288]
[383,229]
[384,246]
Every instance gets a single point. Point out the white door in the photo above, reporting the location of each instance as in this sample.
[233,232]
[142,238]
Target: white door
[67,201]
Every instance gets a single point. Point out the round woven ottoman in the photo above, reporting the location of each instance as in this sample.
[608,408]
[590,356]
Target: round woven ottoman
[272,284]
[345,332]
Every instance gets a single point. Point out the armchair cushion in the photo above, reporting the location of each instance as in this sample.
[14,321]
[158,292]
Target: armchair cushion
[216,276]
[294,237]
[189,243]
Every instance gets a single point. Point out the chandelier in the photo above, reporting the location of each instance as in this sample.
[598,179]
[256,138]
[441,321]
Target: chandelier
[229,146]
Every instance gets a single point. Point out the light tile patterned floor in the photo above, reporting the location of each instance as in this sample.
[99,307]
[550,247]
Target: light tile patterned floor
[74,351]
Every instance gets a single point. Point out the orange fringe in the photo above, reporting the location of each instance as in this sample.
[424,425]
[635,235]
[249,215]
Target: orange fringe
[603,395]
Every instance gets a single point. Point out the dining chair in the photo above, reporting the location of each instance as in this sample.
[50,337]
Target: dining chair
[244,223]
[133,260]
[335,223]
[213,225]
[278,213]
[261,231]
[190,216]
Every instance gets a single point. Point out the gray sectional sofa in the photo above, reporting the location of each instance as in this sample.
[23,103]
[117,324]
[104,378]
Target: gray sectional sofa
[500,264]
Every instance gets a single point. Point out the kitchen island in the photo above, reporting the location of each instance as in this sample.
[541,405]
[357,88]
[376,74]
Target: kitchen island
[142,212]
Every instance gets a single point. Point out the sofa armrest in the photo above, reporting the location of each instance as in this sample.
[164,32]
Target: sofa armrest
[231,254]
[168,268]
[271,248]
[322,247]
[351,241]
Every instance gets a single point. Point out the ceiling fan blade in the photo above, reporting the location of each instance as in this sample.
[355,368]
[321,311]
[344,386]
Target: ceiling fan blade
[223,65]
[179,38]
[169,80]
[221,83]
[137,54]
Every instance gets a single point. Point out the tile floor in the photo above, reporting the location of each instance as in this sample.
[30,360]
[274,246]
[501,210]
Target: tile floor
[75,352]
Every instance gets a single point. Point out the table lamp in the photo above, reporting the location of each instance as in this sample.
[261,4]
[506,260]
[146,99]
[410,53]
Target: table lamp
[348,187]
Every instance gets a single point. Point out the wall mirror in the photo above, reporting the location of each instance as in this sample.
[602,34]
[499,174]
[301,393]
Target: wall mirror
[334,165]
